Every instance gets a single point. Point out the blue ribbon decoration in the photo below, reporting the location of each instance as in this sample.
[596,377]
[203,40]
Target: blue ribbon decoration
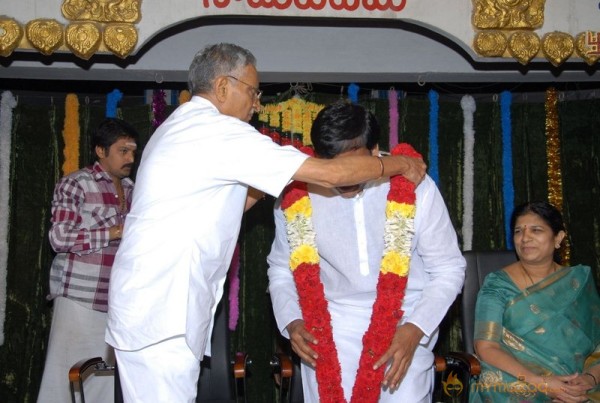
[434,109]
[353,93]
[112,100]
[508,190]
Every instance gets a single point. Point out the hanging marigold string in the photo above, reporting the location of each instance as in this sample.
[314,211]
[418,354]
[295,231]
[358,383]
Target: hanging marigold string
[184,96]
[391,286]
[71,134]
[555,189]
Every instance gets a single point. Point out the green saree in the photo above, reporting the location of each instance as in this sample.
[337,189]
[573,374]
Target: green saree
[552,327]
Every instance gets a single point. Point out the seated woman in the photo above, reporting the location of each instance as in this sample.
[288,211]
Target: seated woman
[537,323]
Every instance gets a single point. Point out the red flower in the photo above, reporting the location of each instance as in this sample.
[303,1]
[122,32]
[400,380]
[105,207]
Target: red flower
[386,314]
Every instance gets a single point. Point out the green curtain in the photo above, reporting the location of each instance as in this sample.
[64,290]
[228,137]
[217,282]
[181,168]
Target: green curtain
[37,161]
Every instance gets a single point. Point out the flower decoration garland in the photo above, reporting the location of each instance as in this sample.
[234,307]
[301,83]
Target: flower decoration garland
[112,100]
[294,117]
[7,104]
[394,116]
[508,189]
[391,286]
[434,110]
[71,133]
[554,169]
[234,288]
[468,106]
[159,107]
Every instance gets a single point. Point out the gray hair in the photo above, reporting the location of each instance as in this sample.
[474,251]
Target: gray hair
[216,60]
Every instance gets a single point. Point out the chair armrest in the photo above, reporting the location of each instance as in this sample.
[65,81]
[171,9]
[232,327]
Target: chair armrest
[461,360]
[239,365]
[282,365]
[83,365]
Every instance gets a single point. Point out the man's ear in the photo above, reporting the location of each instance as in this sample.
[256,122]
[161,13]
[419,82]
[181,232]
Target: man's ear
[221,88]
[100,152]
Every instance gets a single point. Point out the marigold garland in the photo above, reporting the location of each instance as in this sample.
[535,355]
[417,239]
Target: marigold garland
[555,189]
[294,116]
[184,96]
[71,133]
[391,286]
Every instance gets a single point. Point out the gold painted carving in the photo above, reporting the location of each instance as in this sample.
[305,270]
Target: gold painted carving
[524,46]
[587,46]
[490,43]
[508,14]
[45,35]
[10,35]
[102,10]
[557,47]
[83,38]
[120,38]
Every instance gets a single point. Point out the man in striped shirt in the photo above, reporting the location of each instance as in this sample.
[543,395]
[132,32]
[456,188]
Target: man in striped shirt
[88,211]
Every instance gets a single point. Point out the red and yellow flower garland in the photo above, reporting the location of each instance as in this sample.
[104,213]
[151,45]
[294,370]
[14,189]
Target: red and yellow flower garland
[387,312]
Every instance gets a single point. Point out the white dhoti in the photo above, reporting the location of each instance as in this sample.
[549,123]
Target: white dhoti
[76,333]
[349,326]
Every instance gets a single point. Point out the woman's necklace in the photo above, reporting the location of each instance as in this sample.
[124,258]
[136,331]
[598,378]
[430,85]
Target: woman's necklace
[526,272]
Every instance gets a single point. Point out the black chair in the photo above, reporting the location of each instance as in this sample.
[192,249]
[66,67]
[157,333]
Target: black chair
[453,370]
[222,377]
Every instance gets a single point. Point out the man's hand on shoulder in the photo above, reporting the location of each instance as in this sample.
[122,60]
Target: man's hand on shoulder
[416,170]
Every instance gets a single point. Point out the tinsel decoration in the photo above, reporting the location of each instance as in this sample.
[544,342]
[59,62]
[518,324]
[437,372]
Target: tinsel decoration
[71,135]
[468,106]
[234,288]
[555,188]
[159,108]
[353,93]
[7,104]
[434,110]
[112,100]
[508,190]
[393,105]
[184,96]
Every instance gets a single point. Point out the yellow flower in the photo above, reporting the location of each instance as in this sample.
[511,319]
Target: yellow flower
[393,262]
[303,254]
[405,210]
[300,207]
[71,134]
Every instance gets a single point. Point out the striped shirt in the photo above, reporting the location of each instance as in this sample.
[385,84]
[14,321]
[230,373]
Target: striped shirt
[85,205]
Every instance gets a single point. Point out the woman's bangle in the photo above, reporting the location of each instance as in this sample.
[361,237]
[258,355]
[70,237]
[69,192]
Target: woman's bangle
[593,377]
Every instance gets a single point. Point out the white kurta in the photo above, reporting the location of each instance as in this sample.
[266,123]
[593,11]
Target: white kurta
[184,222]
[350,243]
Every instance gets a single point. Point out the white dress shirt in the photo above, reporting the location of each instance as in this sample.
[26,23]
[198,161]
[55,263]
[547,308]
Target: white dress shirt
[184,222]
[349,236]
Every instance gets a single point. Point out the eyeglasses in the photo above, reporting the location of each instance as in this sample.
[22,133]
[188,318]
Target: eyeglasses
[256,91]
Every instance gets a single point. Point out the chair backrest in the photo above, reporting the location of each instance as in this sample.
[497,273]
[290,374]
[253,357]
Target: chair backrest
[217,383]
[479,265]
